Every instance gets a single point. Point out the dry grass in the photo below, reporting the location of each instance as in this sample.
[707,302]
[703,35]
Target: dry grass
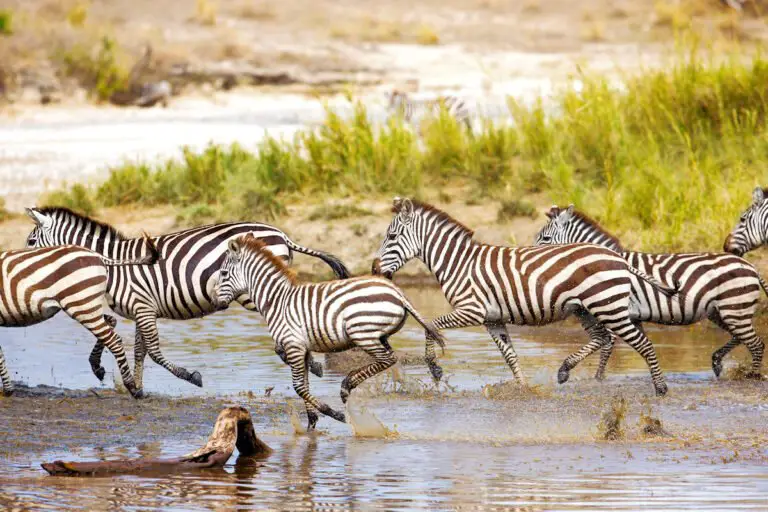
[427,35]
[205,12]
[593,31]
[259,11]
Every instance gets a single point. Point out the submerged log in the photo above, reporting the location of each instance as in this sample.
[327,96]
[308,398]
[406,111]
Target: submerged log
[233,428]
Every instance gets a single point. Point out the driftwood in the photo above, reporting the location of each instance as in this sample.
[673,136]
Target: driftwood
[233,428]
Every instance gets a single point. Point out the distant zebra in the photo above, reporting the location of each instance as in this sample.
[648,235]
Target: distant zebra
[178,287]
[326,317]
[401,104]
[721,287]
[752,230]
[494,286]
[35,284]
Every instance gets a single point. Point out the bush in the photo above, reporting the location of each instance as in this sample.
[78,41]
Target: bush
[77,198]
[669,158]
[102,69]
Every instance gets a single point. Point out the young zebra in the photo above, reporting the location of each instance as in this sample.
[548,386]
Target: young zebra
[402,105]
[494,286]
[38,283]
[178,287]
[721,287]
[326,317]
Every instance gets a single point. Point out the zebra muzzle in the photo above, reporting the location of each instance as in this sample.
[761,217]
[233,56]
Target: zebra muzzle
[376,267]
[728,247]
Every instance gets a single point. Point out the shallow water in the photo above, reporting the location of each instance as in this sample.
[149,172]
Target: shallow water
[446,452]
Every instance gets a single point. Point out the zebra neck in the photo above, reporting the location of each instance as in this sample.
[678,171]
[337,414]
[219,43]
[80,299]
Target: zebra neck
[113,248]
[268,292]
[590,234]
[447,256]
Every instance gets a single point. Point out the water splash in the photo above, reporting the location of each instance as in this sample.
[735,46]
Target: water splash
[364,423]
[296,423]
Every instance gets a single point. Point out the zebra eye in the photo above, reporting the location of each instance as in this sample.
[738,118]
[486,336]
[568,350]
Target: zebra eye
[546,238]
[224,273]
[391,236]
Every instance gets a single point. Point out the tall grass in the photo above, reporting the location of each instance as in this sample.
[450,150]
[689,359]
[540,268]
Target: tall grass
[667,160]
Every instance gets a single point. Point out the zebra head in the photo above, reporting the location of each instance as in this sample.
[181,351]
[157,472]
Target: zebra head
[231,283]
[752,230]
[401,243]
[555,231]
[43,234]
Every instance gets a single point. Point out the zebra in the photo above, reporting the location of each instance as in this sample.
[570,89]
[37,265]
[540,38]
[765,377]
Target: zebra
[38,283]
[178,287]
[720,287]
[324,317]
[495,286]
[752,230]
[399,103]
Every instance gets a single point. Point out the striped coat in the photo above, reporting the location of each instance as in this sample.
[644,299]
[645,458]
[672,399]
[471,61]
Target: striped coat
[403,105]
[326,317]
[495,286]
[178,287]
[721,287]
[35,284]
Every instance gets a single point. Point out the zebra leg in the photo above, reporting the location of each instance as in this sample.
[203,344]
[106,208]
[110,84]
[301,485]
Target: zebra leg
[312,415]
[314,367]
[719,354]
[98,349]
[95,360]
[599,338]
[741,329]
[383,358]
[5,377]
[605,354]
[107,337]
[297,359]
[498,332]
[146,323]
[454,320]
[139,355]
[635,337]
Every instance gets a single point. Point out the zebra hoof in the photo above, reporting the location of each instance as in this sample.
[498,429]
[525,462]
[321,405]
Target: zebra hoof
[100,372]
[754,376]
[436,371]
[661,389]
[338,416]
[563,374]
[196,379]
[8,392]
[599,376]
[717,366]
[311,421]
[316,369]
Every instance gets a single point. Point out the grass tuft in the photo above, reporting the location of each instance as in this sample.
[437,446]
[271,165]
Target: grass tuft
[512,208]
[6,22]
[338,211]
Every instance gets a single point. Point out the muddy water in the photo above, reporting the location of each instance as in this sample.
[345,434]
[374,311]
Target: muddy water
[448,448]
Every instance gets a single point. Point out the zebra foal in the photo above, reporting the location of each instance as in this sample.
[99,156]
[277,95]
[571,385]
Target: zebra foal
[35,284]
[720,287]
[179,286]
[495,286]
[399,103]
[325,317]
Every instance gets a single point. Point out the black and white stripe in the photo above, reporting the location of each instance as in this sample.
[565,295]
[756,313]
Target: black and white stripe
[178,287]
[752,230]
[403,105]
[326,317]
[495,286]
[721,287]
[35,284]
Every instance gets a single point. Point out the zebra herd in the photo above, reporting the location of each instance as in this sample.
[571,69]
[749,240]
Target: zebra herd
[73,263]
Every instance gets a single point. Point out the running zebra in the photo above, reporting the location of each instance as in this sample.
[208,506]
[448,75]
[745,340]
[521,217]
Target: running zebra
[494,286]
[38,283]
[752,230]
[178,287]
[402,105]
[326,317]
[721,287]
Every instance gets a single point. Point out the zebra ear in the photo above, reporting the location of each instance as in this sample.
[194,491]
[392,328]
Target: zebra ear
[406,211]
[758,195]
[234,248]
[553,212]
[40,218]
[565,216]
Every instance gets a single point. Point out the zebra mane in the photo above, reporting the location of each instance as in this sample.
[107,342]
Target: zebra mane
[586,219]
[438,214]
[258,246]
[60,211]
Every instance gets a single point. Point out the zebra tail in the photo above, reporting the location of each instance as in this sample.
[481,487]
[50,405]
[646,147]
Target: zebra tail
[149,259]
[763,284]
[335,263]
[426,324]
[666,290]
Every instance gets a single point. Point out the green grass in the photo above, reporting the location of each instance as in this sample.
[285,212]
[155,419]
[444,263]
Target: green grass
[666,162]
[100,67]
[6,22]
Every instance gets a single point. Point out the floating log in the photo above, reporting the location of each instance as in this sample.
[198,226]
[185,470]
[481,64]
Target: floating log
[233,428]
